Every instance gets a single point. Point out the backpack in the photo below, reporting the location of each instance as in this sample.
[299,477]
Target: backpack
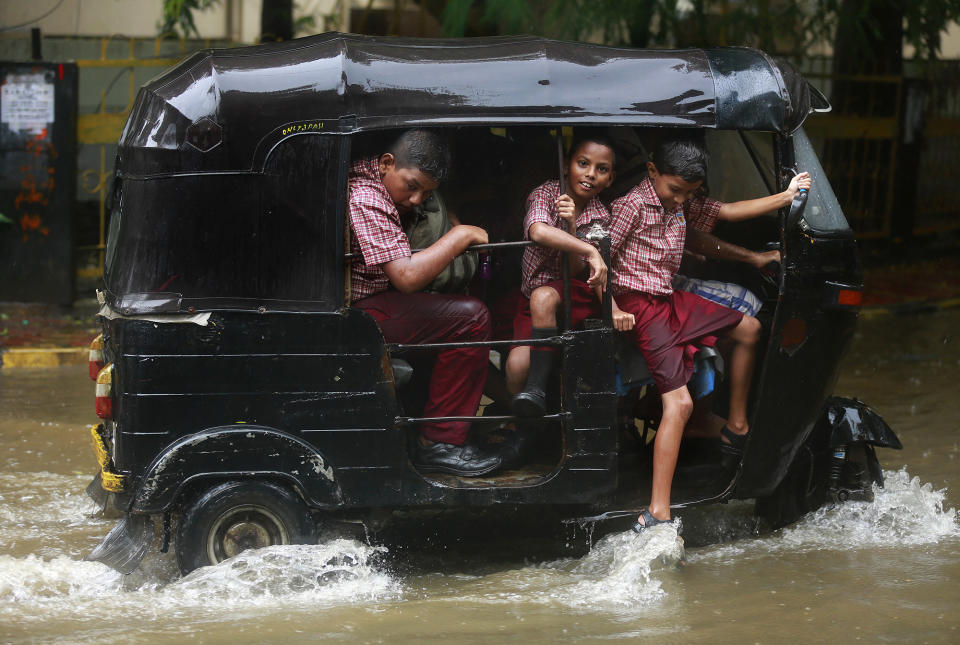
[429,222]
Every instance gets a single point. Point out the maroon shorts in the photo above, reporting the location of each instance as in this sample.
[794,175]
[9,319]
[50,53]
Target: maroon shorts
[583,304]
[668,328]
[502,311]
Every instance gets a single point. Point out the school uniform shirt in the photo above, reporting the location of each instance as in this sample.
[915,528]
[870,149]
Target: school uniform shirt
[646,242]
[541,265]
[376,233]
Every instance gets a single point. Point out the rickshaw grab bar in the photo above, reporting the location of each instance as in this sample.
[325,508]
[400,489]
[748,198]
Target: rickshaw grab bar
[555,341]
[476,247]
[496,245]
[403,421]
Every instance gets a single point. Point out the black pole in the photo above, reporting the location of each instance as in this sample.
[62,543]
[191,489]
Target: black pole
[607,302]
[35,43]
[564,259]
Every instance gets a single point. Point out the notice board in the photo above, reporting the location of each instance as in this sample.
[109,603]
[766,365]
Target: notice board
[38,152]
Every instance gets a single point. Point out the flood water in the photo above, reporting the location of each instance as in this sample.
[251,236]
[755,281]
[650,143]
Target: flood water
[885,571]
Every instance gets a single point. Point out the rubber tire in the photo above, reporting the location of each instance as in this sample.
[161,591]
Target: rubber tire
[802,490]
[276,510]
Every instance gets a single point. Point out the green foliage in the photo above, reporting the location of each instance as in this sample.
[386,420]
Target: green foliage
[783,26]
[178,15]
[637,22]
[455,17]
[305,23]
[507,16]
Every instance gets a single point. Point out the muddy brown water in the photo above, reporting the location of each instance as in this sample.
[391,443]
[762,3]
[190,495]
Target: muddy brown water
[885,571]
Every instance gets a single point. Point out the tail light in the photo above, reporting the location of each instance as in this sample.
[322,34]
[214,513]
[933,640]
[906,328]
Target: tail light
[105,392]
[95,363]
[842,296]
[849,297]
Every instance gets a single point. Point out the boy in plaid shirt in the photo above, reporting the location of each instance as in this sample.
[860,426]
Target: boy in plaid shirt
[553,221]
[386,278]
[648,229]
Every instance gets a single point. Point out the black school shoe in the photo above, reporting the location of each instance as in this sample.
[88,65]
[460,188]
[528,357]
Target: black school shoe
[467,460]
[513,446]
[530,403]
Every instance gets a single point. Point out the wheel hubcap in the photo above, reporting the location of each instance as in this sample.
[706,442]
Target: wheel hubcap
[243,536]
[242,528]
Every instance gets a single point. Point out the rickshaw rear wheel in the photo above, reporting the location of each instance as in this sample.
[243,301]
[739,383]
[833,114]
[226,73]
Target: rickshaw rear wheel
[235,516]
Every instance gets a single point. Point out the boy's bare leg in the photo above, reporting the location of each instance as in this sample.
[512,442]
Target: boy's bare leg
[543,306]
[518,366]
[745,336]
[677,407]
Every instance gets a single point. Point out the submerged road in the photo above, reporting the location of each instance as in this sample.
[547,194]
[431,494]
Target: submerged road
[884,571]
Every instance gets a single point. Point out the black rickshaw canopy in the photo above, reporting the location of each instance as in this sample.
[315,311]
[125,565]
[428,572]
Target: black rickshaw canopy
[225,109]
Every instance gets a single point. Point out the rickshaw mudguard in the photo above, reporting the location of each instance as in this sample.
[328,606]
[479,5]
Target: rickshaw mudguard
[125,545]
[233,452]
[853,421]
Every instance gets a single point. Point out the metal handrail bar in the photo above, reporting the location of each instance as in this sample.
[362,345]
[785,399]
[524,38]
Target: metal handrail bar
[476,247]
[398,348]
[403,421]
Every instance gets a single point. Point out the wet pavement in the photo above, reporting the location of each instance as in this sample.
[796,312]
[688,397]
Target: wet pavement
[911,287]
[39,325]
[884,571]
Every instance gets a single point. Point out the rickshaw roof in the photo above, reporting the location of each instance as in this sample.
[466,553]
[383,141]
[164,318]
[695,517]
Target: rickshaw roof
[251,97]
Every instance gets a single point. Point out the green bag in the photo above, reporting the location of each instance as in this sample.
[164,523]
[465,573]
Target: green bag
[428,223]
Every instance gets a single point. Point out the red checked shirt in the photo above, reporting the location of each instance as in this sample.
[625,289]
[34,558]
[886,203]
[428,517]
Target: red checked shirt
[541,264]
[376,234]
[646,242]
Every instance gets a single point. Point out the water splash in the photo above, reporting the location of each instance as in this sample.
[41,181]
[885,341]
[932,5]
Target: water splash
[34,580]
[905,512]
[339,572]
[617,575]
[617,571]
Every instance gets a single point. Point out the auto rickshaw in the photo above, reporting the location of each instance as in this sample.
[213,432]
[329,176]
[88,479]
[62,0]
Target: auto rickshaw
[244,403]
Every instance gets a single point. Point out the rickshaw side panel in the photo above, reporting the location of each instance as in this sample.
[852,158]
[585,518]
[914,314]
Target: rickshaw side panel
[590,387]
[807,342]
[316,376]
